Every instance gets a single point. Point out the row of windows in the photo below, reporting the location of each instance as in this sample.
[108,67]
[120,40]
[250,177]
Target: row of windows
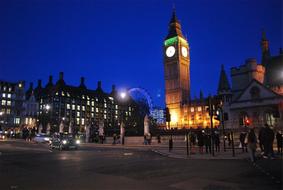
[4,95]
[6,103]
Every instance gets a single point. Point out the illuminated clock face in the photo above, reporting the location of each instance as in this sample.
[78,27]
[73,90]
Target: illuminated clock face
[184,51]
[170,51]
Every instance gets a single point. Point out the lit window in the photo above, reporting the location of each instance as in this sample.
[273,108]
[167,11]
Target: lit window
[105,111]
[104,116]
[96,99]
[9,96]
[96,109]
[68,106]
[8,103]
[192,109]
[78,107]
[10,89]
[105,105]
[92,109]
[88,103]
[116,117]
[8,111]
[83,97]
[78,114]
[83,121]
[116,111]
[3,103]
[199,108]
[116,106]
[73,107]
[92,103]
[56,93]
[110,98]
[92,114]
[78,121]
[4,95]
[130,108]
[83,108]
[17,120]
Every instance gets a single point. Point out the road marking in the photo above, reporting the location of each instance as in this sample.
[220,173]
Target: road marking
[128,154]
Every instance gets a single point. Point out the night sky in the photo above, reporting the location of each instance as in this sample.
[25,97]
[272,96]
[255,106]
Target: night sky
[120,41]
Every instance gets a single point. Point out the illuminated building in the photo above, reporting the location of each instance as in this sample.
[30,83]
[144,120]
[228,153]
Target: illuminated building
[81,106]
[12,97]
[256,95]
[185,111]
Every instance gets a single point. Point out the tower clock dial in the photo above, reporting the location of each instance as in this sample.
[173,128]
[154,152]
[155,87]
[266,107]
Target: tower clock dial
[170,51]
[184,51]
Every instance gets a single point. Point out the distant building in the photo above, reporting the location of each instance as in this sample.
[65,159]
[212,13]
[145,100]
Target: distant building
[12,97]
[158,115]
[256,95]
[31,108]
[81,106]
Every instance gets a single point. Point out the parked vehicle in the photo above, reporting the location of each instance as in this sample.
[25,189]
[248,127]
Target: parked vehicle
[3,136]
[42,138]
[64,141]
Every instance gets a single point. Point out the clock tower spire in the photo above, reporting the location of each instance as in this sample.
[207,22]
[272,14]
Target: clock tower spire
[176,71]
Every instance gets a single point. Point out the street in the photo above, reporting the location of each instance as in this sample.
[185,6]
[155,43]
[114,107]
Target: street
[30,166]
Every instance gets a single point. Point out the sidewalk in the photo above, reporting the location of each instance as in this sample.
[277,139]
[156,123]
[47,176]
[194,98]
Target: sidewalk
[179,151]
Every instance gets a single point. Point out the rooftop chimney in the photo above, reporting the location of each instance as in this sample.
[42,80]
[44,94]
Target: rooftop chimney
[99,84]
[61,76]
[39,83]
[50,79]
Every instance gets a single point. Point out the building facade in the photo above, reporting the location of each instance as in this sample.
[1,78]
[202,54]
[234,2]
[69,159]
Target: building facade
[79,106]
[256,95]
[12,98]
[185,112]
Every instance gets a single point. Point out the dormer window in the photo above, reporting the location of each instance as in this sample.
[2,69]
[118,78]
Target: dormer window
[255,92]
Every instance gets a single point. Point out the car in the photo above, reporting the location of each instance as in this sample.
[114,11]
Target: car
[3,136]
[41,138]
[64,142]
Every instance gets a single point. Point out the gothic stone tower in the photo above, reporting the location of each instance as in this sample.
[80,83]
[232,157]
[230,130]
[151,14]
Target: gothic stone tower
[176,71]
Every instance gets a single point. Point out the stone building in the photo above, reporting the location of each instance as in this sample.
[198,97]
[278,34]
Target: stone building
[79,106]
[12,97]
[185,112]
[256,95]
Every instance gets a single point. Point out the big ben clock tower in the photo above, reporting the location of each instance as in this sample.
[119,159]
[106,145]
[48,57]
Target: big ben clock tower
[176,71]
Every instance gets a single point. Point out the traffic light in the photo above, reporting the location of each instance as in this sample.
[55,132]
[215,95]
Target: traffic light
[167,115]
[247,122]
[217,115]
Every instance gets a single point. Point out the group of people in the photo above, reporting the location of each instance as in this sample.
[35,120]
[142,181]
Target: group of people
[204,138]
[265,140]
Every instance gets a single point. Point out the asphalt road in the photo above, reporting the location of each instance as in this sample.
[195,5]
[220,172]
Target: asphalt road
[29,166]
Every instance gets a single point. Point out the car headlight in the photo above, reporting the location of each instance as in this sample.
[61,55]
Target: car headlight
[46,139]
[64,142]
[78,141]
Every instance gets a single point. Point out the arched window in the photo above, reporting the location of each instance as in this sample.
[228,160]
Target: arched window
[255,92]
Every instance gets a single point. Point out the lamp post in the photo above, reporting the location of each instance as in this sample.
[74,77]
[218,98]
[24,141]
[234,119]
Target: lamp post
[123,96]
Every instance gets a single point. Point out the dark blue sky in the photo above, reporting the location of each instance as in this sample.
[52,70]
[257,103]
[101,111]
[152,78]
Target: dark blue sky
[120,41]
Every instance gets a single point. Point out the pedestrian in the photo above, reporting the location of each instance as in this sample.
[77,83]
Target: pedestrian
[217,141]
[268,142]
[261,138]
[158,139]
[229,138]
[279,142]
[170,143]
[200,141]
[242,141]
[207,143]
[114,138]
[251,139]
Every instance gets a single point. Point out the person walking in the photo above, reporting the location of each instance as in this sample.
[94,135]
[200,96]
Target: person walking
[207,143]
[261,138]
[200,141]
[251,138]
[268,142]
[279,142]
[216,141]
[242,141]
